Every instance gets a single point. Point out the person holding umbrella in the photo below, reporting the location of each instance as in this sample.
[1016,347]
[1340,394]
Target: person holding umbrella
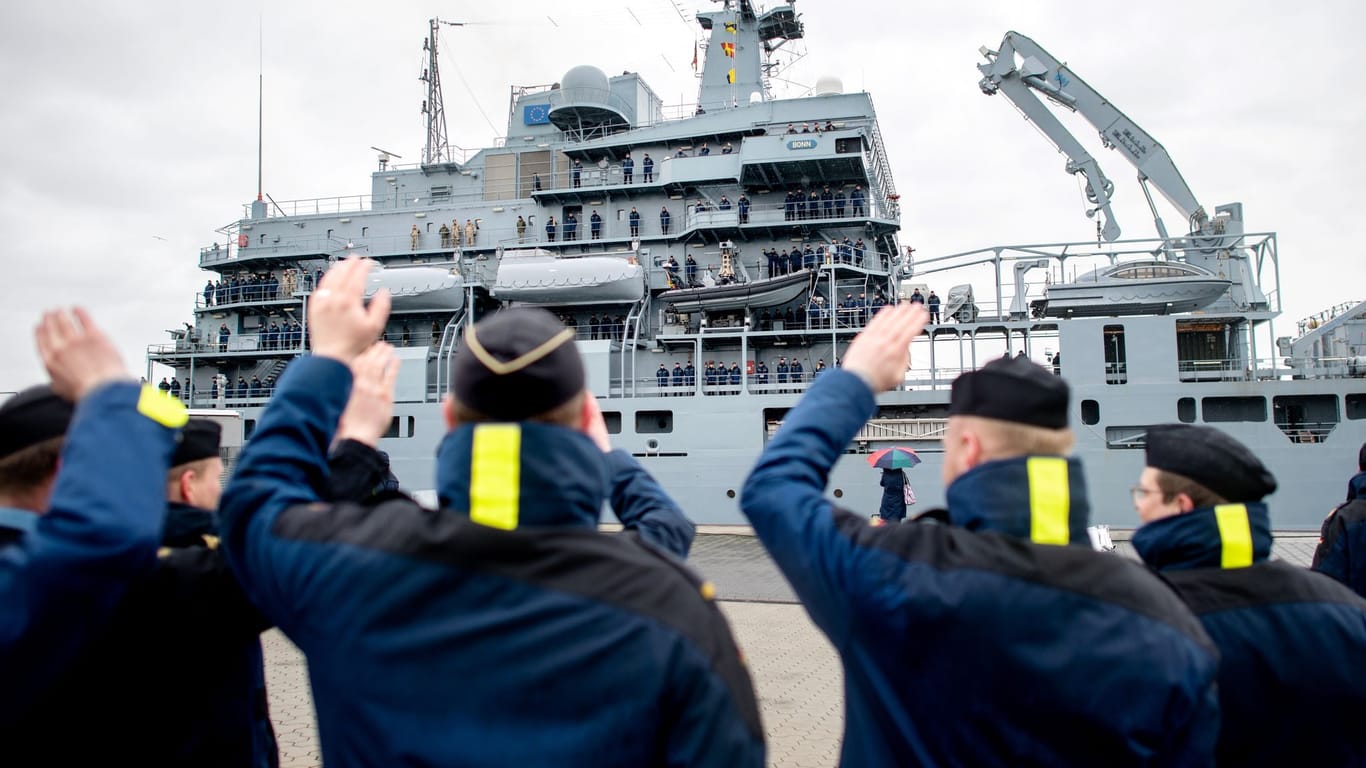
[896,493]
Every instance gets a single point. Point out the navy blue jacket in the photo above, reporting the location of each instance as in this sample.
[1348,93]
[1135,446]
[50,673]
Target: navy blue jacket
[1342,546]
[1292,683]
[175,679]
[503,630]
[63,573]
[1356,487]
[968,644]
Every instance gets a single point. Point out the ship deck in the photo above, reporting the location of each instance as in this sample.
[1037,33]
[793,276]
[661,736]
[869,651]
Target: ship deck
[796,671]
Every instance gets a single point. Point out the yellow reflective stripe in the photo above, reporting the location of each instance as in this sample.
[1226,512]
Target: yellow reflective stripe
[1049,500]
[161,407]
[1236,532]
[495,475]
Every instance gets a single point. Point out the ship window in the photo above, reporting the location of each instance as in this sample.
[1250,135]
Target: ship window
[1305,418]
[613,421]
[848,146]
[1126,438]
[248,427]
[1356,406]
[654,422]
[1185,410]
[1116,365]
[401,426]
[1224,409]
[1090,412]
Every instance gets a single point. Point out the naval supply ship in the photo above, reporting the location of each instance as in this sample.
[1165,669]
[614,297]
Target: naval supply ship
[715,258]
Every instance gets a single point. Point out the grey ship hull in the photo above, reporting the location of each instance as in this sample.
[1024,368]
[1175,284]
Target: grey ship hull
[566,154]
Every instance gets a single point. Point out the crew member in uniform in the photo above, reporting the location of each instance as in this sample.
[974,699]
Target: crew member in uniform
[177,678]
[996,636]
[81,500]
[1292,676]
[1341,552]
[503,629]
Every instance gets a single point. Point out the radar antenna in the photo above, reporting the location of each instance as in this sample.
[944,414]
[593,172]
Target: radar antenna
[438,148]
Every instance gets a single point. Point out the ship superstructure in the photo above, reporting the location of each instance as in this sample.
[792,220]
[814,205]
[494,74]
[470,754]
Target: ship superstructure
[715,261]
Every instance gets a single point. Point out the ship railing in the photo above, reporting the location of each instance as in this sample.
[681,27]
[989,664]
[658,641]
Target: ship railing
[1306,431]
[225,297]
[212,343]
[899,430]
[994,266]
[1324,367]
[1317,319]
[313,206]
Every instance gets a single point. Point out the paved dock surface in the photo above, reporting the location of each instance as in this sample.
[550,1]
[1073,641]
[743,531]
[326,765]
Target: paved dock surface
[796,671]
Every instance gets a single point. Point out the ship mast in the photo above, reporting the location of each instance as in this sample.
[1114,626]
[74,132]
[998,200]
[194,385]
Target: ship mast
[438,148]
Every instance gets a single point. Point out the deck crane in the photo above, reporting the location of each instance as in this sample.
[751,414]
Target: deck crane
[1036,71]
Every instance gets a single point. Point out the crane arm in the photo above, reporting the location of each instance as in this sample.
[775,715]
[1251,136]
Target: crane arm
[1039,71]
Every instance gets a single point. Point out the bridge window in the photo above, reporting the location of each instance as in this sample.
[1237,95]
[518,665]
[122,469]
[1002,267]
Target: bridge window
[1185,410]
[613,421]
[1090,412]
[1226,409]
[654,422]
[1305,418]
[1116,365]
[1356,406]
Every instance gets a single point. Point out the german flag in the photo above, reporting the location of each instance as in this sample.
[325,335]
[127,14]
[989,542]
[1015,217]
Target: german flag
[728,49]
[730,27]
[730,76]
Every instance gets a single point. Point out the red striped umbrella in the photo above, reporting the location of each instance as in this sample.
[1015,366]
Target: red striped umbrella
[895,457]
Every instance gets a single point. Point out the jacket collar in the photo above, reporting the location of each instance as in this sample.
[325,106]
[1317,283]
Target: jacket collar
[509,475]
[187,526]
[1040,498]
[1226,536]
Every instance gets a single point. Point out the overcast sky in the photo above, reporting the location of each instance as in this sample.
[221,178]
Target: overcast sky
[128,131]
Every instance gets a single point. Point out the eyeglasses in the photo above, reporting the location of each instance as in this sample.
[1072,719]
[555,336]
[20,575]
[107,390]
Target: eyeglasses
[1139,492]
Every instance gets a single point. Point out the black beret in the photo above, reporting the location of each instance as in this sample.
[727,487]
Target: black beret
[1211,458]
[1012,389]
[198,439]
[516,364]
[30,417]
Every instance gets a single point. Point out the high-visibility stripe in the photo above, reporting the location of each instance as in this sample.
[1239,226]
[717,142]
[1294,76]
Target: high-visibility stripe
[1049,500]
[1236,533]
[495,475]
[161,407]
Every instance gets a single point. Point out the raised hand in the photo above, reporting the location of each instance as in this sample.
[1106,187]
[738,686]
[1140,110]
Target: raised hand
[370,410]
[341,325]
[593,424]
[77,354]
[881,354]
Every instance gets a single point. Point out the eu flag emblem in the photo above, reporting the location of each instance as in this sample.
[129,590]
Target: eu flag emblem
[536,114]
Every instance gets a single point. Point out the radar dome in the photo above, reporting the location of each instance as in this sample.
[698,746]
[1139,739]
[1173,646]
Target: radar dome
[829,85]
[586,77]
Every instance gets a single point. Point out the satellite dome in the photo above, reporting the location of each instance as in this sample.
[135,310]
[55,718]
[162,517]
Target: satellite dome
[584,102]
[829,85]
[585,77]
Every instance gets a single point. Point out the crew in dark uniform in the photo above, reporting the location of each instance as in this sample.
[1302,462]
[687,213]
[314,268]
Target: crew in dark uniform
[690,377]
[1292,675]
[794,371]
[634,220]
[510,589]
[628,169]
[177,678]
[664,219]
[743,204]
[662,377]
[72,539]
[935,622]
[595,226]
[677,379]
[647,167]
[575,174]
[1341,552]
[761,372]
[690,270]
